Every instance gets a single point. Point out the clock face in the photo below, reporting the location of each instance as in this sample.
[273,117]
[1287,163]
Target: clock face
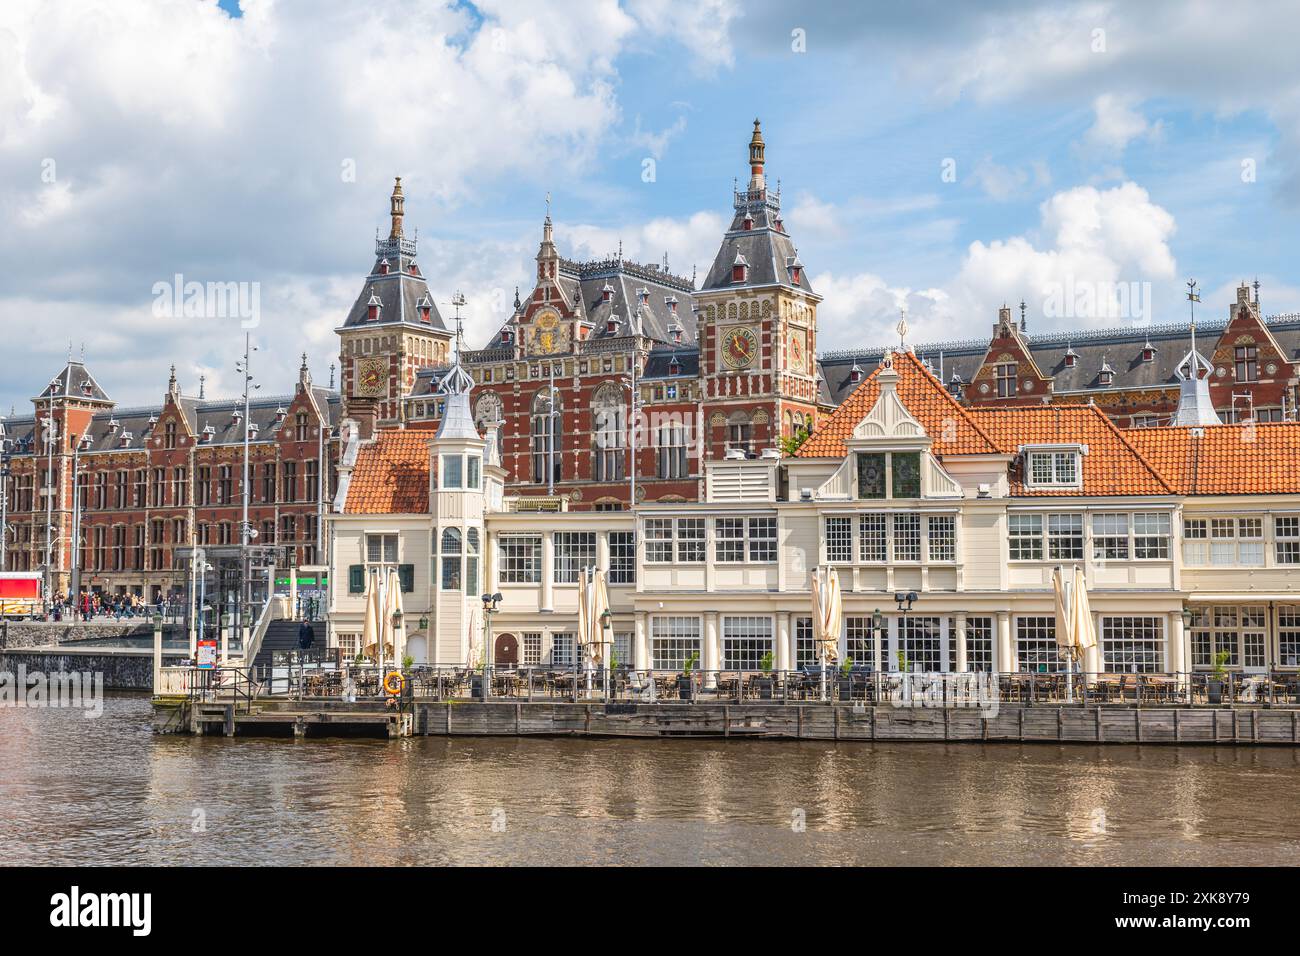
[371,380]
[797,357]
[739,348]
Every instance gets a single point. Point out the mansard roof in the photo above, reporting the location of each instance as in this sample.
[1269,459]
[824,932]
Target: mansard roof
[1262,459]
[399,294]
[74,382]
[583,283]
[767,249]
[946,421]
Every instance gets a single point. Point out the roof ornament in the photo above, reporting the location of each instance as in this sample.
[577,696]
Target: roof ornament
[1194,405]
[457,420]
[901,329]
[331,376]
[202,380]
[396,203]
[1024,327]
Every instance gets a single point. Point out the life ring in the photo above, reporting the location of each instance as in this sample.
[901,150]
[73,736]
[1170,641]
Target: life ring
[393,683]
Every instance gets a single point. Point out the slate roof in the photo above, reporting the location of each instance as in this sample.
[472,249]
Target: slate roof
[74,381]
[1121,348]
[1224,459]
[585,282]
[398,291]
[391,474]
[766,247]
[659,360]
[107,428]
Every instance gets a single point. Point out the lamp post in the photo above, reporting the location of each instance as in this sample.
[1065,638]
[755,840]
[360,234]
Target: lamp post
[904,600]
[4,498]
[606,626]
[246,532]
[491,604]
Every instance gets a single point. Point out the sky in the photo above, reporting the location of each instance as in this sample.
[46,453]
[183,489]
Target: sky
[935,160]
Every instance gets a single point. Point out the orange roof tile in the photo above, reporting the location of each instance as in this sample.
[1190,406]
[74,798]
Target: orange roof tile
[942,416]
[1113,466]
[1263,459]
[391,474]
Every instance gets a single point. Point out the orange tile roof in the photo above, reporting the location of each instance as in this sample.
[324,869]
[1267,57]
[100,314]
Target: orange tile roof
[1113,466]
[391,475]
[1226,459]
[924,396]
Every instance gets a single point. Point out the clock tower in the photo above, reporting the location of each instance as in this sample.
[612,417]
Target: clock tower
[757,327]
[393,330]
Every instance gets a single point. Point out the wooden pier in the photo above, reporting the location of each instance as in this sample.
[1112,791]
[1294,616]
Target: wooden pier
[1041,723]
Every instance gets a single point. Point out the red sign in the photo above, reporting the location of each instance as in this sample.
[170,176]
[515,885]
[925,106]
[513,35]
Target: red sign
[207,655]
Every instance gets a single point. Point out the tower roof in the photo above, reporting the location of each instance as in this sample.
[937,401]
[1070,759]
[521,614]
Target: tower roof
[74,382]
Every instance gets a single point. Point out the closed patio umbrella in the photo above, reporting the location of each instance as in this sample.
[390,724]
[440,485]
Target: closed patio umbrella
[828,611]
[1085,631]
[370,624]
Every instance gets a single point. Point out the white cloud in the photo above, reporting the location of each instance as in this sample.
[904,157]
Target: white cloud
[1117,123]
[1006,182]
[689,242]
[261,149]
[1089,245]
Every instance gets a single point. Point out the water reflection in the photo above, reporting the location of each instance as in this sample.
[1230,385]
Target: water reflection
[107,791]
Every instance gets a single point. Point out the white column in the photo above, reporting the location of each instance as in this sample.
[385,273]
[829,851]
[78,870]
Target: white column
[1004,660]
[1175,659]
[711,657]
[960,638]
[546,601]
[641,643]
[784,641]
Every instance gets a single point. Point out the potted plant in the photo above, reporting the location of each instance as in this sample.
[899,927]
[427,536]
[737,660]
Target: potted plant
[846,679]
[766,684]
[407,662]
[684,681]
[1214,687]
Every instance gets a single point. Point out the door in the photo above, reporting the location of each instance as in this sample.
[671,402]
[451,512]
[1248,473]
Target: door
[506,651]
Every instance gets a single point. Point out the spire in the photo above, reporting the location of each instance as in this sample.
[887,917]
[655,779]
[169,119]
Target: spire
[756,160]
[457,421]
[172,388]
[395,209]
[304,373]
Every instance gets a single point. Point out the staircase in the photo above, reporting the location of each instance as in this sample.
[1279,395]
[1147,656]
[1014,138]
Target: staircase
[283,636]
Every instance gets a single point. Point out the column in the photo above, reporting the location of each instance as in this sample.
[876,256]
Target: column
[546,601]
[710,656]
[784,642]
[960,638]
[641,644]
[1003,659]
[1175,657]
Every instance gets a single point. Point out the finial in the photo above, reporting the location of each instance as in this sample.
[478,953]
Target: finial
[331,375]
[1022,315]
[518,304]
[548,205]
[202,381]
[396,203]
[303,366]
[901,328]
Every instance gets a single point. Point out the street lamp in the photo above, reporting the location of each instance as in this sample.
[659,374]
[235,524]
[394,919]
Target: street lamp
[904,600]
[877,635]
[491,604]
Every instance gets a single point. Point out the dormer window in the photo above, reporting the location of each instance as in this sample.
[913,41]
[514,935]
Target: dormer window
[644,295]
[1106,375]
[87,388]
[208,432]
[1071,358]
[779,224]
[373,307]
[414,269]
[125,440]
[748,222]
[674,367]
[1054,467]
[675,331]
[796,269]
[425,308]
[383,267]
[505,336]
[606,292]
[1148,352]
[611,325]
[855,373]
[739,269]
[671,302]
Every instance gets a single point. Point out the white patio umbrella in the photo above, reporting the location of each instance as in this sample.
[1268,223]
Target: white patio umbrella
[1066,647]
[370,635]
[828,612]
[392,611]
[1085,631]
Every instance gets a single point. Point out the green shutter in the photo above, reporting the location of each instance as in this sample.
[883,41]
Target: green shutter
[356,579]
[406,575]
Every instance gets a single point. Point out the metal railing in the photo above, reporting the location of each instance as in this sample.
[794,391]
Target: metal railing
[317,677]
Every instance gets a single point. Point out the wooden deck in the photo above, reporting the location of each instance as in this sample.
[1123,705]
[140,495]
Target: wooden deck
[1093,724]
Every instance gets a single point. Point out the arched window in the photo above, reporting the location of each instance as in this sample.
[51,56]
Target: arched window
[451,548]
[740,432]
[547,439]
[608,425]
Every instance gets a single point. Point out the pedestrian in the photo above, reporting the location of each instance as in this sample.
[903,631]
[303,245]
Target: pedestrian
[306,635]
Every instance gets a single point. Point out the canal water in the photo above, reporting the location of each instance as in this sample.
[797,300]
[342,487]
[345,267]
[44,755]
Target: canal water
[104,791]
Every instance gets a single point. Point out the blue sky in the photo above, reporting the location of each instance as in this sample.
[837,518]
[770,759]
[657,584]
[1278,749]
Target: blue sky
[1088,144]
